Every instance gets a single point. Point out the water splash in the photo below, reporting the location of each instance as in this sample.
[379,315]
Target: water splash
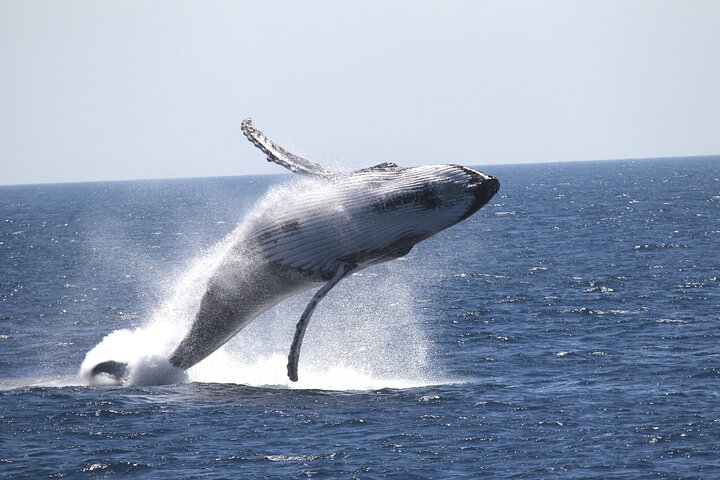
[364,335]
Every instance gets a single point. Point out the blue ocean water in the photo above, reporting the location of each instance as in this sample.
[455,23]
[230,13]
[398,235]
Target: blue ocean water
[567,330]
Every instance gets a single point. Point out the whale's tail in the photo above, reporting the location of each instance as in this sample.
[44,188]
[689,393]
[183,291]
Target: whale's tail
[116,370]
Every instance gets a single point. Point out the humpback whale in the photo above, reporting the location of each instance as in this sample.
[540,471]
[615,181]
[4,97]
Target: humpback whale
[338,224]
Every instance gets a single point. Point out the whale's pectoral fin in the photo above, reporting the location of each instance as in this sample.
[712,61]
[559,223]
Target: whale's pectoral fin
[275,153]
[116,370]
[302,324]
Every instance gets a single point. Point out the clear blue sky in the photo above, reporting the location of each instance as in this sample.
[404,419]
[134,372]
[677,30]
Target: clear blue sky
[156,89]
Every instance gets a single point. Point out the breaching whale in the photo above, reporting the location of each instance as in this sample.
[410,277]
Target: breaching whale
[341,223]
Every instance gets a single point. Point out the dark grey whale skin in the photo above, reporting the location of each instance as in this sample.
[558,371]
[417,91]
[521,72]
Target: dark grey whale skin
[223,314]
[338,220]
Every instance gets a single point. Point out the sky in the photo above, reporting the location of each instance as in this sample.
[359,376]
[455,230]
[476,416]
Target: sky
[99,90]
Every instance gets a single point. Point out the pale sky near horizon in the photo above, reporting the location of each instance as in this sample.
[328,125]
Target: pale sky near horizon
[157,89]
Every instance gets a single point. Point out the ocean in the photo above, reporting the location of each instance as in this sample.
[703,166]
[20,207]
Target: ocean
[569,329]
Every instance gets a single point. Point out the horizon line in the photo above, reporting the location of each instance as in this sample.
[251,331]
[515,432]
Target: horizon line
[542,162]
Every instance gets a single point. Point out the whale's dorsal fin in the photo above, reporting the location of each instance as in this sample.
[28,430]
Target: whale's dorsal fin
[302,324]
[275,153]
[380,167]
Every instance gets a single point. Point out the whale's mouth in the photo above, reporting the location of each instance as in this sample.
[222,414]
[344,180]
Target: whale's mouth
[483,187]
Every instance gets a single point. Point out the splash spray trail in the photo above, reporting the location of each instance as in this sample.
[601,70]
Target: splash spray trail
[364,336]
[312,236]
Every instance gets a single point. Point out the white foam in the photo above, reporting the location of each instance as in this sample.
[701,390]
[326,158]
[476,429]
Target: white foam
[53,382]
[271,371]
[141,349]
[161,333]
[155,370]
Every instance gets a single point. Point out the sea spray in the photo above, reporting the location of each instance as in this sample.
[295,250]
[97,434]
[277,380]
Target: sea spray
[166,326]
[365,334]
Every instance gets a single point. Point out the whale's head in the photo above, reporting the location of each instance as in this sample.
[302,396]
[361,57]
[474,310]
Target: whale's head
[430,198]
[481,186]
[398,207]
[366,217]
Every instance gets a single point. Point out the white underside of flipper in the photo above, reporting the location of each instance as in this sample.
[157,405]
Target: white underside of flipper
[294,356]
